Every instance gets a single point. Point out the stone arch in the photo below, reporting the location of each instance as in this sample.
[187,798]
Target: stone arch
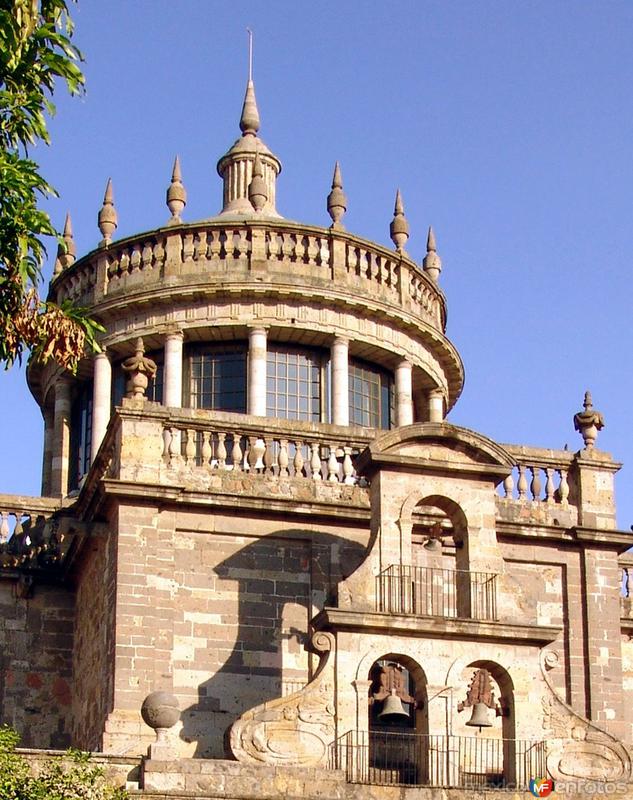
[419,680]
[458,677]
[452,565]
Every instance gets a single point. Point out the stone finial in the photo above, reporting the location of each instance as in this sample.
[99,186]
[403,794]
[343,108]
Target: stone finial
[257,191]
[249,119]
[336,200]
[108,219]
[176,197]
[399,227]
[140,369]
[160,711]
[588,422]
[66,249]
[432,263]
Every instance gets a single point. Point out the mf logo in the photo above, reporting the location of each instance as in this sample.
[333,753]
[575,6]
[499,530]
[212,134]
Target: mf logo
[541,787]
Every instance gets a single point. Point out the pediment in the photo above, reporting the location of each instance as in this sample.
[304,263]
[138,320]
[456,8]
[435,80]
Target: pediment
[440,445]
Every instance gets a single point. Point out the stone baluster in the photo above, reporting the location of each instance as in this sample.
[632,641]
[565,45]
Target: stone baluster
[4,526]
[522,485]
[298,460]
[236,453]
[535,484]
[348,467]
[282,458]
[190,447]
[550,488]
[175,456]
[269,456]
[315,462]
[251,455]
[332,466]
[626,582]
[207,450]
[563,488]
[508,486]
[221,451]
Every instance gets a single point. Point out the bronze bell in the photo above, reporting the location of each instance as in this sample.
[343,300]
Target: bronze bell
[433,545]
[392,708]
[479,717]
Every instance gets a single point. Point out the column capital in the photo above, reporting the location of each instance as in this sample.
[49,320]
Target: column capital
[254,328]
[103,354]
[340,339]
[174,332]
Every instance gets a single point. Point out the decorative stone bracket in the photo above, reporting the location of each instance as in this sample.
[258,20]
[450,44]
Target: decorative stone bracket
[578,749]
[295,730]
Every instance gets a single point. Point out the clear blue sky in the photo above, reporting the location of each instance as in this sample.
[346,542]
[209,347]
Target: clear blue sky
[507,125]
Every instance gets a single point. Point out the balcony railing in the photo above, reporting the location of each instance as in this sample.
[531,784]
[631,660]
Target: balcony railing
[411,759]
[434,592]
[229,252]
[273,449]
[29,538]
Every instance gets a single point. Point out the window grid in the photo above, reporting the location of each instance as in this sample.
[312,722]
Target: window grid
[218,381]
[293,384]
[370,396]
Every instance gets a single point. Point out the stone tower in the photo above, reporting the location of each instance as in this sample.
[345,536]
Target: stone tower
[253,505]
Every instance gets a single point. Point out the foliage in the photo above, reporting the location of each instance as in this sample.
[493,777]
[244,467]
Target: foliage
[35,51]
[72,778]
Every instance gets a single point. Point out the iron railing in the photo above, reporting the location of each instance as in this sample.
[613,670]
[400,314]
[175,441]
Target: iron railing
[411,759]
[434,592]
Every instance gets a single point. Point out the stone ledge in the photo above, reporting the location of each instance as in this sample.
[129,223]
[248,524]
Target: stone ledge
[434,627]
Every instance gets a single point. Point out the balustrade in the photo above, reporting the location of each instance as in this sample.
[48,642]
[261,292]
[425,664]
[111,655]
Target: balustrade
[225,448]
[28,537]
[216,248]
[538,479]
[144,255]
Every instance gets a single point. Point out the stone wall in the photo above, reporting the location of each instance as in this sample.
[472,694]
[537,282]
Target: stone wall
[94,641]
[214,607]
[36,641]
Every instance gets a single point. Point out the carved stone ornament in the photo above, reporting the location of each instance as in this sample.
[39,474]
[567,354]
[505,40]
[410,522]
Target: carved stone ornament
[480,691]
[588,422]
[295,730]
[578,749]
[140,369]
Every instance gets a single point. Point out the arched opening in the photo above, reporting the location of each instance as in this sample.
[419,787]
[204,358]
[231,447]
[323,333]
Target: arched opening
[484,726]
[437,582]
[397,708]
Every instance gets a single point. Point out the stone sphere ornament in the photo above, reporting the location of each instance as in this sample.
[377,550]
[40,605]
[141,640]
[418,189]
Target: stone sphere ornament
[160,710]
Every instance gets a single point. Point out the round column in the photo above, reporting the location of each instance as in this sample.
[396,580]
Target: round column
[61,438]
[339,356]
[404,393]
[436,406]
[101,401]
[257,372]
[49,430]
[172,370]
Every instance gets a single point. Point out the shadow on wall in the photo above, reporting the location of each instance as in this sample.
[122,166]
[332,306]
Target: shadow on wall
[253,624]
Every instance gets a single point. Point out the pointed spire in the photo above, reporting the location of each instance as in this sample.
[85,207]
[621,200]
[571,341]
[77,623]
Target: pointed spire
[336,200]
[176,194]
[432,263]
[399,227]
[257,192]
[249,120]
[107,218]
[66,249]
